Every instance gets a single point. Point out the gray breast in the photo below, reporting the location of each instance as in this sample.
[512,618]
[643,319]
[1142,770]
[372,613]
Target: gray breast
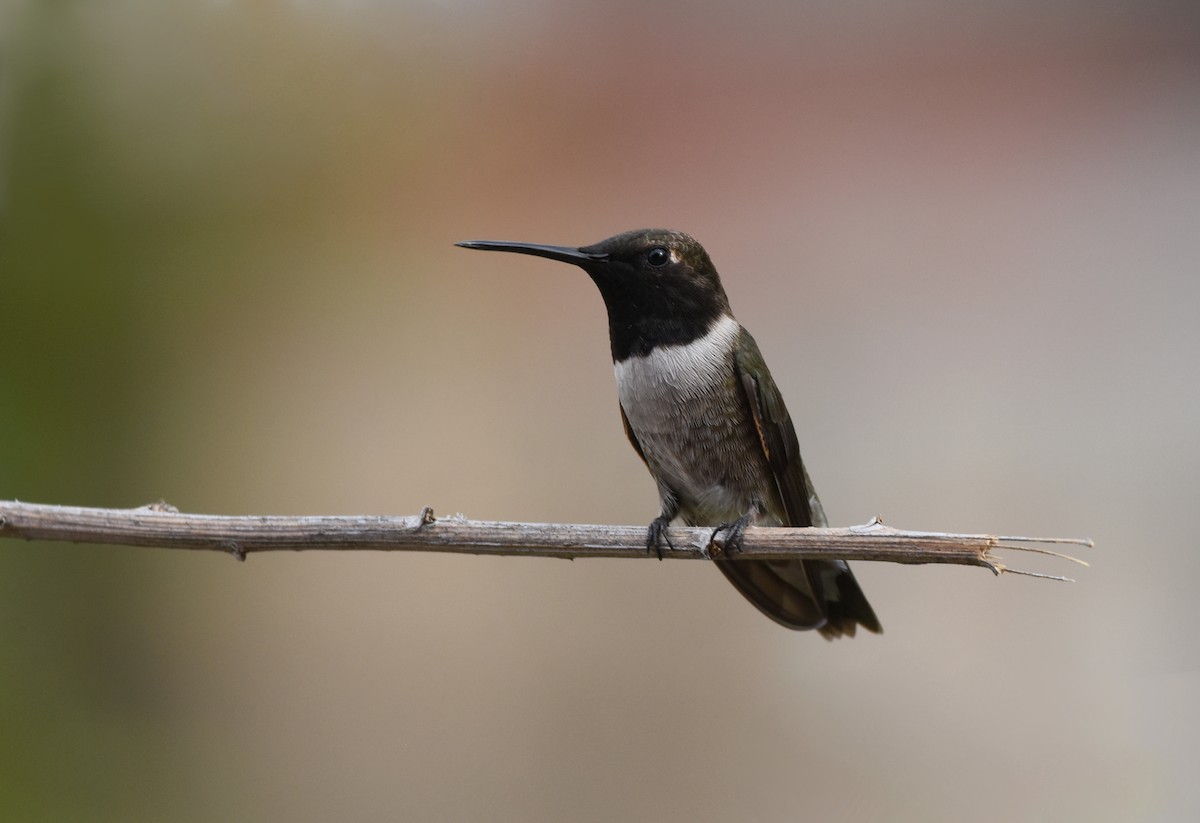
[687,410]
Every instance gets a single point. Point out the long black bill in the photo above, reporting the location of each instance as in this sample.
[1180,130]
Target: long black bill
[566,254]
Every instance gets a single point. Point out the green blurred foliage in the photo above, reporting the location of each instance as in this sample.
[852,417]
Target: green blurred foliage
[82,744]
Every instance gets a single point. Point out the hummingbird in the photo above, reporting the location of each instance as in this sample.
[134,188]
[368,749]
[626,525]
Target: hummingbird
[702,411]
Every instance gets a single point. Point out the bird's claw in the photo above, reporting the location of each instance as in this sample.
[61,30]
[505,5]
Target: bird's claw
[656,535]
[735,531]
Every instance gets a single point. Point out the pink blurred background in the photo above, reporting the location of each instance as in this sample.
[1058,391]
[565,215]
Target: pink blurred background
[966,240]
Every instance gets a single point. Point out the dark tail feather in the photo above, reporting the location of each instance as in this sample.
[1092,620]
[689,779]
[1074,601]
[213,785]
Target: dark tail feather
[846,606]
[804,594]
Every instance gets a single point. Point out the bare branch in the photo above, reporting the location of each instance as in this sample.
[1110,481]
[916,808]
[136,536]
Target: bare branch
[161,525]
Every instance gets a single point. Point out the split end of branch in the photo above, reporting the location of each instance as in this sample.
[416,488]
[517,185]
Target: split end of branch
[1014,543]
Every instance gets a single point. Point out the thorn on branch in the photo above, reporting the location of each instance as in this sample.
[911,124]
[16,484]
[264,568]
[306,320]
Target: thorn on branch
[160,505]
[875,524]
[425,518]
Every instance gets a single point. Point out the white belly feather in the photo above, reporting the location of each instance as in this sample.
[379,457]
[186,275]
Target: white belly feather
[683,404]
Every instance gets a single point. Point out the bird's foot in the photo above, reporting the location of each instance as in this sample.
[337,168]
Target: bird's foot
[656,535]
[734,530]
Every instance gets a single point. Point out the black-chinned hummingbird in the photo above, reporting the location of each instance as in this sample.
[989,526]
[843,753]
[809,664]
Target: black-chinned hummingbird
[704,414]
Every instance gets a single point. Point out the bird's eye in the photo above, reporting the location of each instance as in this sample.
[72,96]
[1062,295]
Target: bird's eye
[658,256]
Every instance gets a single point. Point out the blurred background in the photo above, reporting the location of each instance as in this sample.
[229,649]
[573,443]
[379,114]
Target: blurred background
[966,239]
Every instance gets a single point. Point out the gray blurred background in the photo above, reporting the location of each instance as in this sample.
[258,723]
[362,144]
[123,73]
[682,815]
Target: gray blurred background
[966,240]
